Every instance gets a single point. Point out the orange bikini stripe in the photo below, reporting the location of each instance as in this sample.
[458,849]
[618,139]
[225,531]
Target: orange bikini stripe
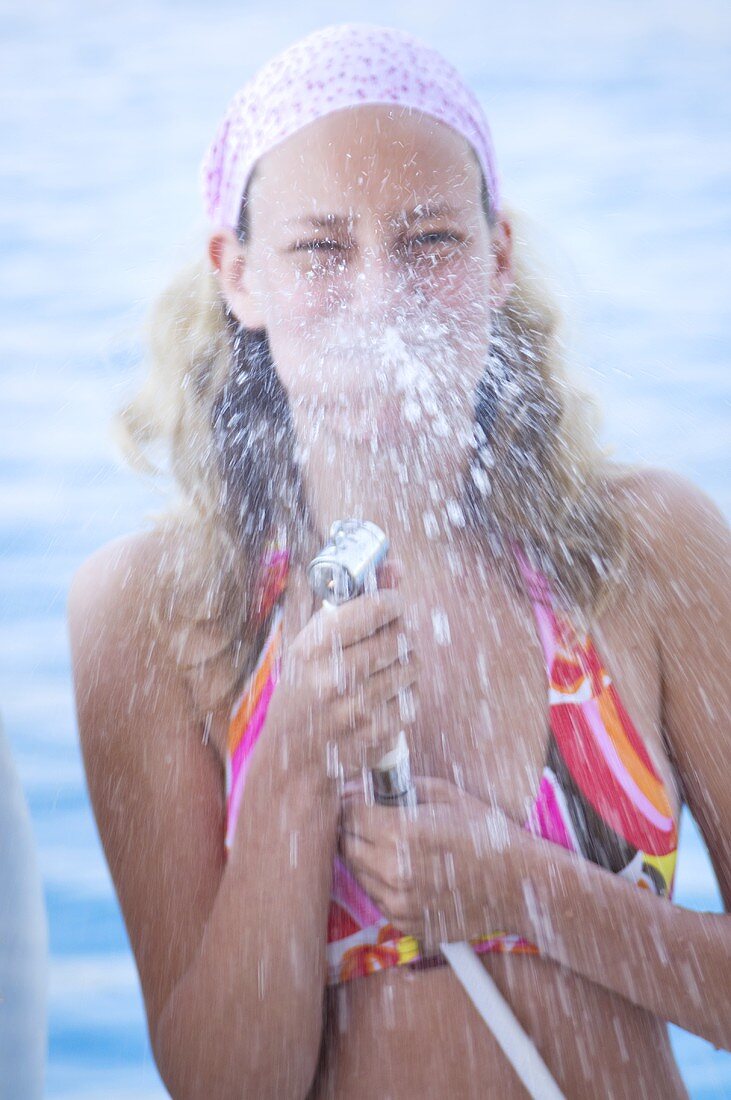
[240,720]
[577,673]
[640,768]
[649,783]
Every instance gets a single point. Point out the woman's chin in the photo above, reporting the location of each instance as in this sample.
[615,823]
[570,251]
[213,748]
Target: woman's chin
[374,425]
[393,430]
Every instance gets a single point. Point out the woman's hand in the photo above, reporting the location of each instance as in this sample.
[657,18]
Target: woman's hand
[440,871]
[347,677]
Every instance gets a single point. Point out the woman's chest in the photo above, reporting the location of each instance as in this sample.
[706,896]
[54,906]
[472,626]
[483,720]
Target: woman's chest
[482,713]
[483,710]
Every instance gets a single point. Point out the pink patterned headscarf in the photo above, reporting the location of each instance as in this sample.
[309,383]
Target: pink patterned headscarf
[341,65]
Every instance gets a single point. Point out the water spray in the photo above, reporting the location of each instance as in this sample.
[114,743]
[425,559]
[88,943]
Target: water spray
[345,568]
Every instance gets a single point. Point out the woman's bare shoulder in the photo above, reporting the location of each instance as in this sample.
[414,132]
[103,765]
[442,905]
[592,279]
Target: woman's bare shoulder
[127,573]
[152,779]
[681,543]
[113,620]
[665,513]
[157,598]
[142,583]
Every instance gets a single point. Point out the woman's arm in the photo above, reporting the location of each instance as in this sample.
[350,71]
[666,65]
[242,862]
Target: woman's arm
[673,961]
[471,868]
[230,955]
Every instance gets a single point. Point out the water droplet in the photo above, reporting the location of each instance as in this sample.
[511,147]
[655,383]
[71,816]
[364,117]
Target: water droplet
[332,759]
[455,513]
[407,709]
[389,1010]
[411,411]
[440,624]
[481,480]
[431,525]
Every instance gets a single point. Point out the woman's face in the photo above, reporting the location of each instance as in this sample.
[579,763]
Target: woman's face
[371,266]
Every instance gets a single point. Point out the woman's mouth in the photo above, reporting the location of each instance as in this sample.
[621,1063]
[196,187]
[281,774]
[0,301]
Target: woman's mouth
[365,417]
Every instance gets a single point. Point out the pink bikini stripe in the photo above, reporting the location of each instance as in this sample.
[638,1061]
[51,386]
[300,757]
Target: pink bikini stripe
[625,780]
[240,766]
[252,730]
[546,632]
[351,896]
[548,818]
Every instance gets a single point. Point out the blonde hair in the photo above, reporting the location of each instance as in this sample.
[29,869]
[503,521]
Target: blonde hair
[213,402]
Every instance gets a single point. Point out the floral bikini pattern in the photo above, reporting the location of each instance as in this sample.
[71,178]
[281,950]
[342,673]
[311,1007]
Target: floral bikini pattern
[599,795]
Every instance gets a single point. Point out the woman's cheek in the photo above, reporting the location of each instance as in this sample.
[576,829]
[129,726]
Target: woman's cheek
[304,302]
[463,288]
[301,290]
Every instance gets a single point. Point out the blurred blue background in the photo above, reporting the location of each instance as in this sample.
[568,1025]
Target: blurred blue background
[611,123]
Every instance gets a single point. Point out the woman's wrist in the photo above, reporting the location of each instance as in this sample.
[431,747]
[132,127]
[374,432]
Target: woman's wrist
[517,870]
[493,899]
[542,893]
[282,768]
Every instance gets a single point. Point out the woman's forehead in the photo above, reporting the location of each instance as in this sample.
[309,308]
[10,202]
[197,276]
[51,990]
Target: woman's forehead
[378,154]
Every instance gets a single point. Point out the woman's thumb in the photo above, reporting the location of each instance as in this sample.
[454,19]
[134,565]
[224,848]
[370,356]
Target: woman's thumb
[389,573]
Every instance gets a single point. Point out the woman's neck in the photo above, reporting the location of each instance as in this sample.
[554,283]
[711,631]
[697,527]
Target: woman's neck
[418,504]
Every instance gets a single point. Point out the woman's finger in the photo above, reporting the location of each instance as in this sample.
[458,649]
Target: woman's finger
[395,902]
[363,858]
[374,887]
[355,821]
[390,645]
[389,573]
[434,789]
[365,615]
[384,703]
[386,684]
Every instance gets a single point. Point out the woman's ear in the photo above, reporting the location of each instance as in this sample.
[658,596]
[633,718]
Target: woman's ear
[229,258]
[503,278]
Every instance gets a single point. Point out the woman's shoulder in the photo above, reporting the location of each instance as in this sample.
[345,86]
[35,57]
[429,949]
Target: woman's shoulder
[115,627]
[153,575]
[120,582]
[651,482]
[125,689]
[678,540]
[667,516]
[168,593]
[152,779]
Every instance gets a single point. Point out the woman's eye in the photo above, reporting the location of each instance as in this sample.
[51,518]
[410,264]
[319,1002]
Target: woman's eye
[319,245]
[438,236]
[327,245]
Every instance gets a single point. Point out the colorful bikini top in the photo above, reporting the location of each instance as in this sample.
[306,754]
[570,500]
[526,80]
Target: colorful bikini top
[599,794]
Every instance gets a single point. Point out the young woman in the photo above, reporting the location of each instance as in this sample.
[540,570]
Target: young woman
[365,336]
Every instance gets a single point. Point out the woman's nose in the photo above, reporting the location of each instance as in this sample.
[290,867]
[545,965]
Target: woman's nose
[376,281]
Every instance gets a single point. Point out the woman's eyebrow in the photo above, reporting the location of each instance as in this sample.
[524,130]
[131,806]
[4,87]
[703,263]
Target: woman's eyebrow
[417,213]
